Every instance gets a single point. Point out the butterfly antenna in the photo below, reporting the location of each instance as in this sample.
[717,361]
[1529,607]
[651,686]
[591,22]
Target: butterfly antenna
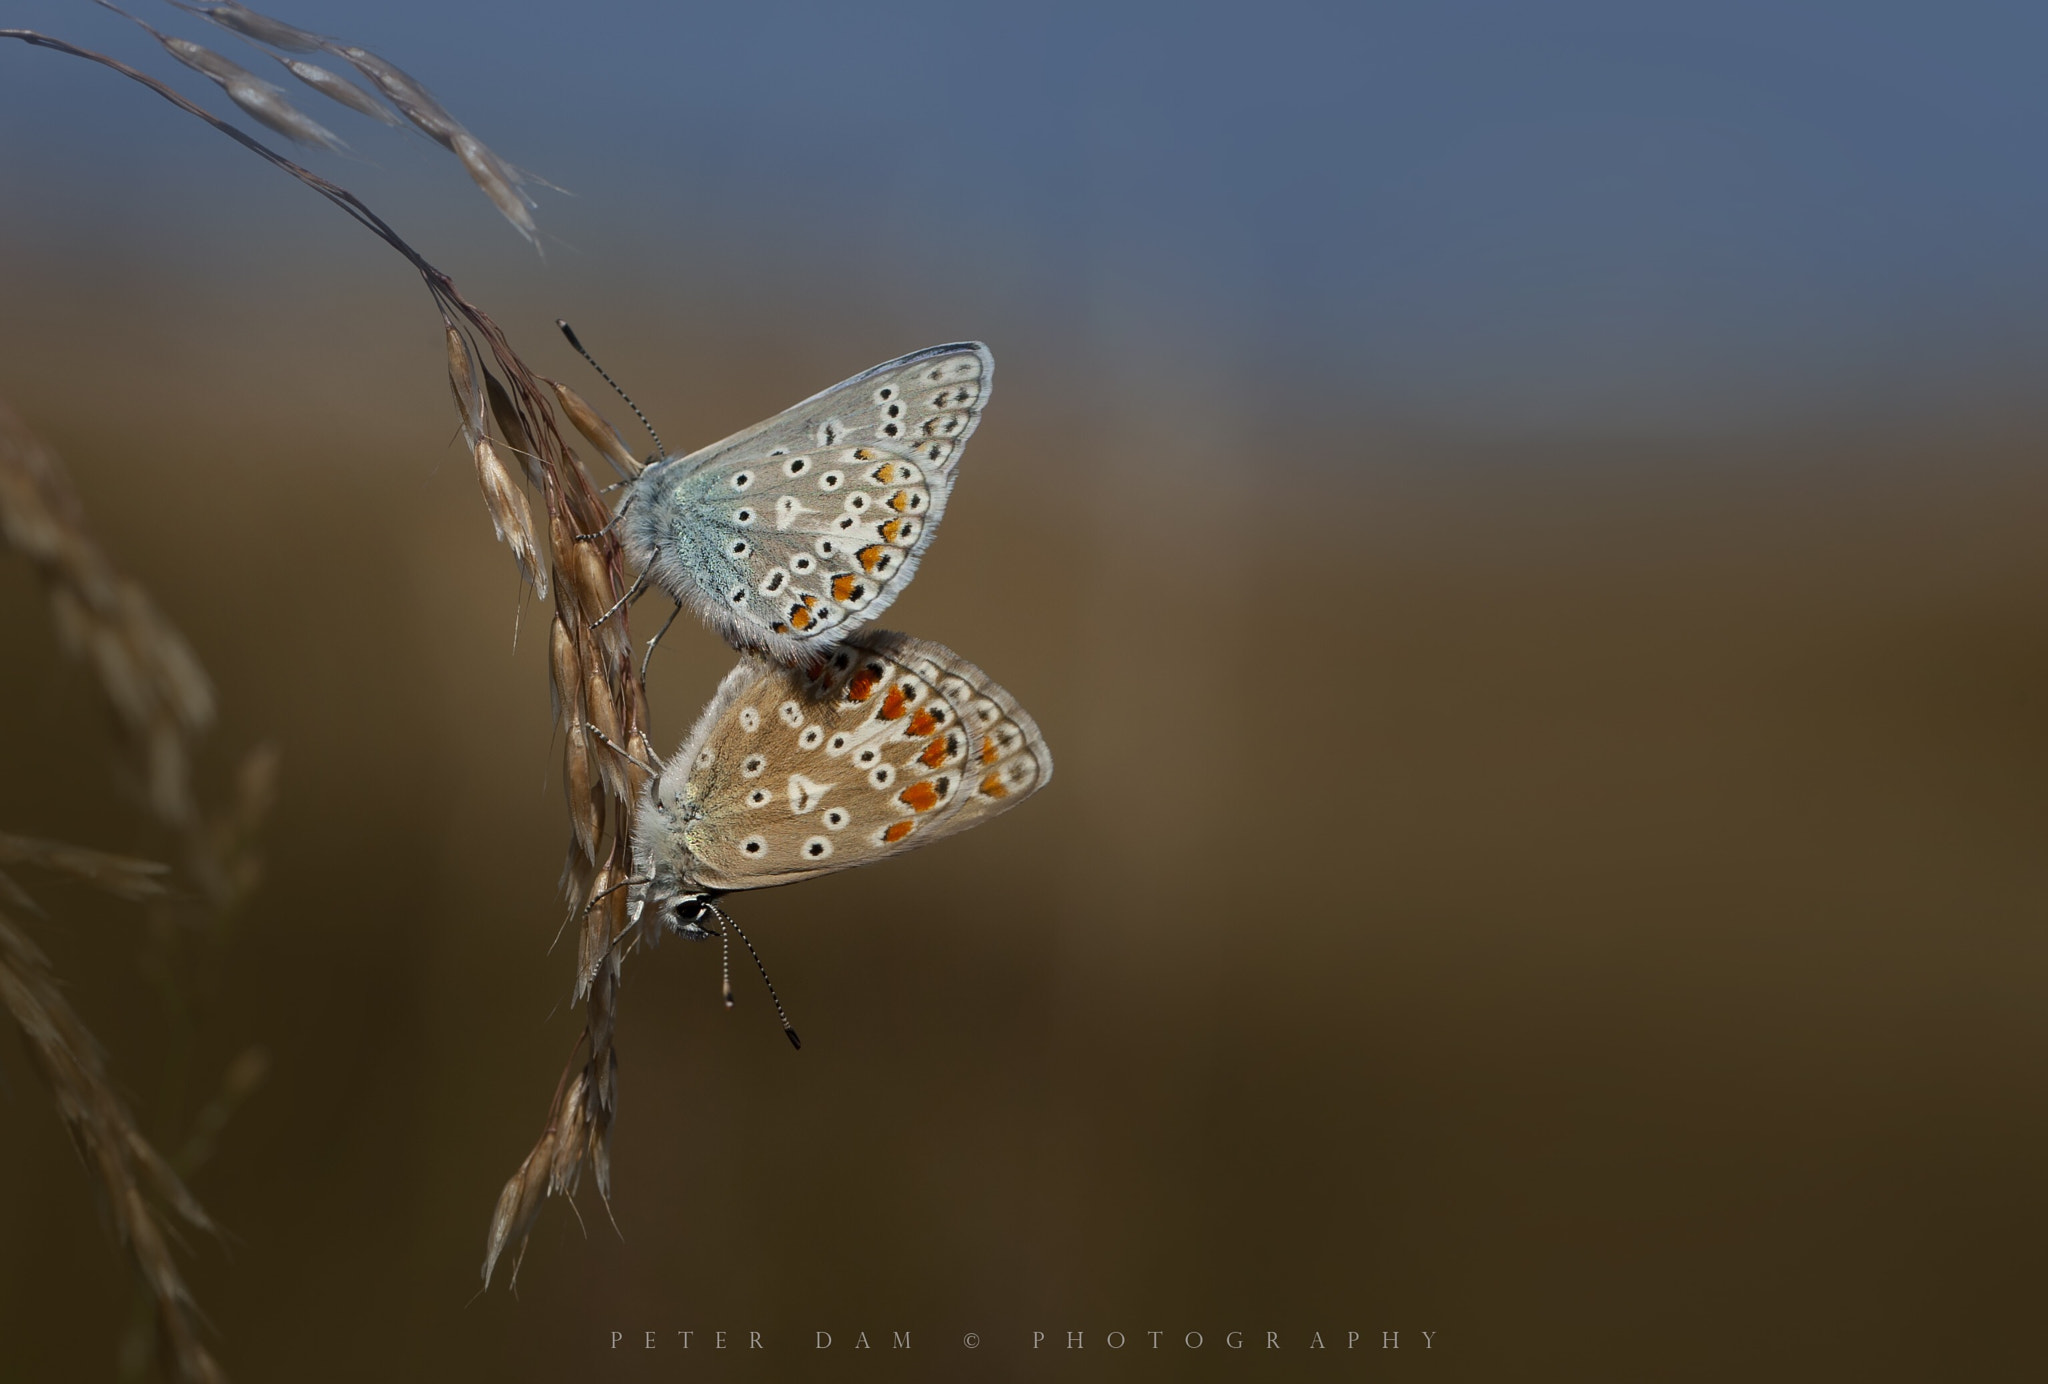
[794,1041]
[570,332]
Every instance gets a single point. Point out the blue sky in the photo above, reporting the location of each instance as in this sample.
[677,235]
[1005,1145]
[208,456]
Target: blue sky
[1536,216]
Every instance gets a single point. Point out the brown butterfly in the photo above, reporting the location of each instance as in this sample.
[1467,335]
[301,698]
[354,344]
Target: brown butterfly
[883,744]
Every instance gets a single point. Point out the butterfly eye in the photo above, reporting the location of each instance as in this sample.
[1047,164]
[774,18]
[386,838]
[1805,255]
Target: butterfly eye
[737,595]
[739,547]
[867,757]
[835,819]
[750,720]
[796,465]
[886,393]
[883,775]
[856,502]
[817,848]
[754,845]
[830,480]
[802,563]
[775,580]
[838,745]
[894,410]
[753,766]
[791,714]
[743,516]
[742,480]
[891,429]
[826,547]
[757,798]
[811,738]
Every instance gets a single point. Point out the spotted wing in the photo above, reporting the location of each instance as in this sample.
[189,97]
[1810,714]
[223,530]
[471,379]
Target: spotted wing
[793,534]
[886,743]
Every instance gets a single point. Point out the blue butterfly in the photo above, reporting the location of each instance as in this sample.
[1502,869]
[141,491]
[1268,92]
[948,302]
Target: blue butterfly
[789,536]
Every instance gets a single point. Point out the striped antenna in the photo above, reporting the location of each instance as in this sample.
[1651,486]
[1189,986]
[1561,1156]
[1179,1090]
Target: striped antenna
[726,919]
[570,332]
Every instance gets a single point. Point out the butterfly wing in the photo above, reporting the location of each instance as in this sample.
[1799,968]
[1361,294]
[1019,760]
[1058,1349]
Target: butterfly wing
[796,532]
[884,744]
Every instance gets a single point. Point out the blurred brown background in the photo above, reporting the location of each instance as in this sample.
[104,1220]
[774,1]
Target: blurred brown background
[1572,886]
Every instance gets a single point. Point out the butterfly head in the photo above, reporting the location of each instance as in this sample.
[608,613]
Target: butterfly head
[662,857]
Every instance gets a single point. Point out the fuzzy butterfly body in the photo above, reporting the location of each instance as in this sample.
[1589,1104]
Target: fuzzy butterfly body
[881,745]
[789,536]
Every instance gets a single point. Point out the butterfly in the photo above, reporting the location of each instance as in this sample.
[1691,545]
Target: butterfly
[881,745]
[790,535]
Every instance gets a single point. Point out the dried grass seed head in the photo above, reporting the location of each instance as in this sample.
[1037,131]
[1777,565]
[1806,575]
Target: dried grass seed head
[513,429]
[510,514]
[263,101]
[266,103]
[341,90]
[596,431]
[462,382]
[593,582]
[402,90]
[122,876]
[153,683]
[240,19]
[603,711]
[107,1140]
[493,175]
[565,682]
[202,60]
[579,780]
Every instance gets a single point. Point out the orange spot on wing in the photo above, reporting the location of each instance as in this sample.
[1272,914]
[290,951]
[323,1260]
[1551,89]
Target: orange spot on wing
[886,472]
[898,832]
[935,753]
[924,723]
[900,501]
[919,797]
[842,587]
[989,753]
[891,529]
[800,617]
[992,787]
[861,685]
[871,555]
[892,705]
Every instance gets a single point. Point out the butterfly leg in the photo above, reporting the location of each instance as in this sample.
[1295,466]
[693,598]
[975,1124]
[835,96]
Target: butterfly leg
[586,537]
[657,639]
[639,585]
[622,753]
